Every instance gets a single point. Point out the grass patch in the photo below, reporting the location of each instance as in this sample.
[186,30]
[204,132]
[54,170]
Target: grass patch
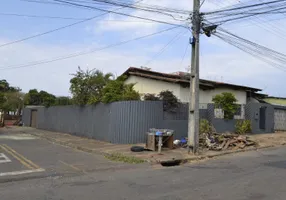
[122,158]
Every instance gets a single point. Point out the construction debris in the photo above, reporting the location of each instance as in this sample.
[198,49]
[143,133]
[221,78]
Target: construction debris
[225,141]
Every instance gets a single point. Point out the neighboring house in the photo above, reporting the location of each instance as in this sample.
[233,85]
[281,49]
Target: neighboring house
[152,82]
[280,101]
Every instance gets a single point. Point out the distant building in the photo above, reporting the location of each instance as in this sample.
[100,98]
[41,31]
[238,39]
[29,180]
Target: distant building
[280,101]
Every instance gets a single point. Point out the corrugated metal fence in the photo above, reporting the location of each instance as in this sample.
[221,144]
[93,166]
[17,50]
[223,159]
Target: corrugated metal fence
[121,122]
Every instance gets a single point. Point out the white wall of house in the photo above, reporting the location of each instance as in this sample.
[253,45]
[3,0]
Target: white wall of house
[151,86]
[207,95]
[146,85]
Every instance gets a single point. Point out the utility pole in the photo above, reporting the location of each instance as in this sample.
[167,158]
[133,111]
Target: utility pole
[193,124]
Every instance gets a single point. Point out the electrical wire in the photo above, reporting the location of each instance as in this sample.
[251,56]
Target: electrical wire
[82,21]
[252,53]
[202,3]
[138,6]
[84,52]
[272,29]
[247,11]
[70,18]
[40,16]
[162,50]
[243,7]
[274,58]
[118,13]
[154,10]
[57,29]
[184,55]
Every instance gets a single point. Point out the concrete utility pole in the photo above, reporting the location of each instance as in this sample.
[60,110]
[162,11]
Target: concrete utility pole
[193,125]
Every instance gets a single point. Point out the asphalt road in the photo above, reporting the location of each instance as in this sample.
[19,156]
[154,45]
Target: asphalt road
[256,175]
[24,157]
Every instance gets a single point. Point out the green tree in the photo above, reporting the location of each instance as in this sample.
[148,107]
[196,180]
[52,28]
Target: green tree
[171,102]
[150,97]
[13,102]
[11,99]
[63,101]
[87,86]
[33,97]
[2,100]
[116,90]
[227,102]
[4,86]
[47,99]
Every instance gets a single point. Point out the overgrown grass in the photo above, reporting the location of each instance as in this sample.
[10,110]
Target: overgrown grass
[122,158]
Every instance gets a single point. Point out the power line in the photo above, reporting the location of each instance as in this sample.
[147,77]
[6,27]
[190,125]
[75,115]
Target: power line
[269,29]
[40,16]
[57,29]
[88,19]
[243,7]
[247,11]
[274,58]
[84,52]
[177,36]
[129,5]
[71,18]
[202,3]
[118,13]
[184,55]
[140,6]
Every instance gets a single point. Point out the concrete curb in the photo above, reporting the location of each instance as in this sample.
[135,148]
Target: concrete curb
[183,160]
[80,148]
[223,154]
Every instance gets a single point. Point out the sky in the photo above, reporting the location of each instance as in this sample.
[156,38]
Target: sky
[218,60]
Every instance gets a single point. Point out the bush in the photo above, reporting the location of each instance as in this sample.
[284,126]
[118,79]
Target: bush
[171,102]
[226,101]
[243,126]
[205,126]
[116,90]
[150,97]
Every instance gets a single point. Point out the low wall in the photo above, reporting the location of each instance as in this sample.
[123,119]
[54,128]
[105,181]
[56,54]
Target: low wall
[224,125]
[253,114]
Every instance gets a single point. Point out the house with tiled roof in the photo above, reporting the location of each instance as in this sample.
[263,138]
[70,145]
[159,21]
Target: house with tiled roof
[151,82]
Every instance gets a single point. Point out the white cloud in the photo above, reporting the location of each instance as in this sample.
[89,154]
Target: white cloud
[135,25]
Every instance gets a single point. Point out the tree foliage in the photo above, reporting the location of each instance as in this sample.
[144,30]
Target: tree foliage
[117,90]
[43,98]
[227,102]
[171,102]
[87,86]
[151,97]
[63,101]
[5,87]
[11,98]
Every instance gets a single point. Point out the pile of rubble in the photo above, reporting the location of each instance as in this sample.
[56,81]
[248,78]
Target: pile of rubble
[225,141]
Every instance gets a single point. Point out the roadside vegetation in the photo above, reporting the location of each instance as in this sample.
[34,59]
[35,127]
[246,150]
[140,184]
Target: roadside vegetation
[118,157]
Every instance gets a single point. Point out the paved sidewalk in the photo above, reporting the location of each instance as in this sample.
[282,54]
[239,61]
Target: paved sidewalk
[105,148]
